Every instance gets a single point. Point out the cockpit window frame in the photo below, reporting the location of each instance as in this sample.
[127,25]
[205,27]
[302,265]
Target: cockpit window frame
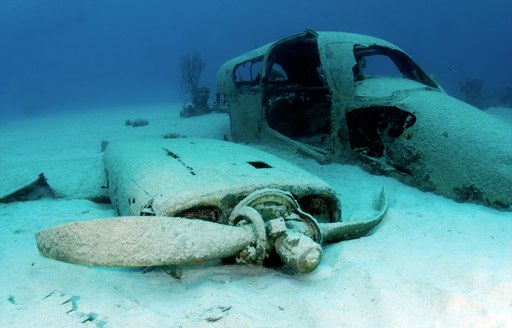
[402,61]
[254,74]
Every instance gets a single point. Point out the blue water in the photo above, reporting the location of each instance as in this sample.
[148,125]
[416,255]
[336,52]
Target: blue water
[77,54]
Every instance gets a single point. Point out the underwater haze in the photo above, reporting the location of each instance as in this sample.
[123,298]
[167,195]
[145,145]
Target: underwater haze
[95,125]
[72,55]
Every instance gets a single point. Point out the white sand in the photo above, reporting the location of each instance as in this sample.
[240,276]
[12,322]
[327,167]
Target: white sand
[431,263]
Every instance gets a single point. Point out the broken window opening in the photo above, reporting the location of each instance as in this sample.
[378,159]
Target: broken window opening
[248,72]
[376,65]
[374,61]
[296,98]
[373,129]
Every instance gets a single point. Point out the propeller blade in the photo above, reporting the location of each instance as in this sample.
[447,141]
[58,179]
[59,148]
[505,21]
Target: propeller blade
[142,241]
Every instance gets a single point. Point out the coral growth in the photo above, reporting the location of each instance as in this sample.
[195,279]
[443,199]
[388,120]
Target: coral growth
[192,66]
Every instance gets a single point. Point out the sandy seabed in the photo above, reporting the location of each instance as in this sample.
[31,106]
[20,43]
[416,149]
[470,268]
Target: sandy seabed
[432,262]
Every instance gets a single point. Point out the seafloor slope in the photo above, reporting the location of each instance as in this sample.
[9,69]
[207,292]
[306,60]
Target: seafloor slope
[431,263]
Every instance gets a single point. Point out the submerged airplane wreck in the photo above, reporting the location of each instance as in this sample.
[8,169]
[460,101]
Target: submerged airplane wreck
[334,96]
[186,200]
[357,99]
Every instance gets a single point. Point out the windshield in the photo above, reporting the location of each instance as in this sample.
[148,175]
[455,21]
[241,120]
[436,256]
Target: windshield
[375,61]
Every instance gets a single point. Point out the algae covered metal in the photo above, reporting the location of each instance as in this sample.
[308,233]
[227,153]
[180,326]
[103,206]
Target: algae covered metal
[358,99]
[188,200]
